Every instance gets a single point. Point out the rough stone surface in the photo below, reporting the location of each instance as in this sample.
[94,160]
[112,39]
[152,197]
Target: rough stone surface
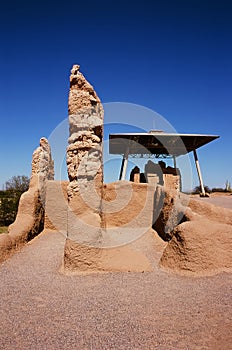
[84,165]
[42,168]
[29,221]
[56,206]
[199,247]
[199,234]
[210,211]
[170,209]
[84,153]
[127,216]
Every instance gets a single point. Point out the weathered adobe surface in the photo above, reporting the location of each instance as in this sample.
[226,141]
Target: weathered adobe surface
[92,221]
[195,244]
[89,230]
[91,248]
[170,209]
[201,242]
[84,153]
[29,221]
[199,247]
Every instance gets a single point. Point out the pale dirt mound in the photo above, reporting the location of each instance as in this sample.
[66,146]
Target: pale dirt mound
[139,256]
[211,212]
[202,245]
[83,259]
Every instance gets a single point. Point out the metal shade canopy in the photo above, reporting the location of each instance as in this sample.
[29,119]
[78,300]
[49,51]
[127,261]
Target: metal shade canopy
[157,143]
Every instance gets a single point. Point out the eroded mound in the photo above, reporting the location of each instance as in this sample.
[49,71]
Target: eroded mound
[202,245]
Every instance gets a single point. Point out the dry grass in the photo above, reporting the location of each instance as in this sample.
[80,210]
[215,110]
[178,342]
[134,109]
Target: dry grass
[3,229]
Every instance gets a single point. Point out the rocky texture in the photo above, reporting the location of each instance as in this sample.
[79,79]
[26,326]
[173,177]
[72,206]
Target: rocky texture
[56,215]
[170,209]
[210,211]
[30,217]
[127,216]
[201,245]
[42,169]
[199,234]
[172,181]
[84,153]
[84,163]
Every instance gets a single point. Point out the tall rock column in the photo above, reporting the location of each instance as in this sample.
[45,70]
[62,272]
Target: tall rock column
[84,153]
[84,161]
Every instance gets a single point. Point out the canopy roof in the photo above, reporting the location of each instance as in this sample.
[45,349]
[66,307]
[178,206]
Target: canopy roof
[157,143]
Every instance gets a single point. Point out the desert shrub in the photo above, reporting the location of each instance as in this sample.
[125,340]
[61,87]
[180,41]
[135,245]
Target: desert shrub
[197,189]
[9,198]
[218,189]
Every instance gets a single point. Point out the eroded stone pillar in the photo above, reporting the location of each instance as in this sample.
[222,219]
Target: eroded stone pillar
[84,153]
[42,167]
[29,221]
[84,161]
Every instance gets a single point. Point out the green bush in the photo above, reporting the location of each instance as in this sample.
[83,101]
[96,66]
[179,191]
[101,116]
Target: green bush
[9,198]
[197,190]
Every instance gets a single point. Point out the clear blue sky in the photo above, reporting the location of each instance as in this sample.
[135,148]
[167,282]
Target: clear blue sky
[174,57]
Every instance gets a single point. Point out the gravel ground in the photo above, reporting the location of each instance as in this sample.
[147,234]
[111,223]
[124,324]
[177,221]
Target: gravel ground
[43,309]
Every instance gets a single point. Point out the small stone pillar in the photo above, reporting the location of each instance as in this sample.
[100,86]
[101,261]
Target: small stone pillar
[135,174]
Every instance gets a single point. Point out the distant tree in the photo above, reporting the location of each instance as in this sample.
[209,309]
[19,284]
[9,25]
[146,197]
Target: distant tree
[197,189]
[9,198]
[18,183]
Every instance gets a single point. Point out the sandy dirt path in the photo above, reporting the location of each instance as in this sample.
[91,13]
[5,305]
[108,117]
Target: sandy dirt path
[43,309]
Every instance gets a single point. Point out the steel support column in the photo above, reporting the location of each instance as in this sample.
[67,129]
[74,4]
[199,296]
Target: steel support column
[199,172]
[123,169]
[174,161]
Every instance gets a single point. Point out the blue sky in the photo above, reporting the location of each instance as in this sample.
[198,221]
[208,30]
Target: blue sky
[173,57]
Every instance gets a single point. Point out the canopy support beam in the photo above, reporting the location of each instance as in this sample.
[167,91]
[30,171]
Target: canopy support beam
[199,173]
[123,169]
[174,161]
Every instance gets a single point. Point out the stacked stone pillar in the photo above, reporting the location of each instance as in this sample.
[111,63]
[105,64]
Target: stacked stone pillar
[84,161]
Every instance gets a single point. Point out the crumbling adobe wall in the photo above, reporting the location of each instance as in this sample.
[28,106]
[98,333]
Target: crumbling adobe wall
[199,235]
[29,221]
[127,215]
[199,247]
[87,233]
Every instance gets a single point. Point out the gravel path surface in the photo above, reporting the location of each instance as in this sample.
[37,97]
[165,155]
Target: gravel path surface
[43,309]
